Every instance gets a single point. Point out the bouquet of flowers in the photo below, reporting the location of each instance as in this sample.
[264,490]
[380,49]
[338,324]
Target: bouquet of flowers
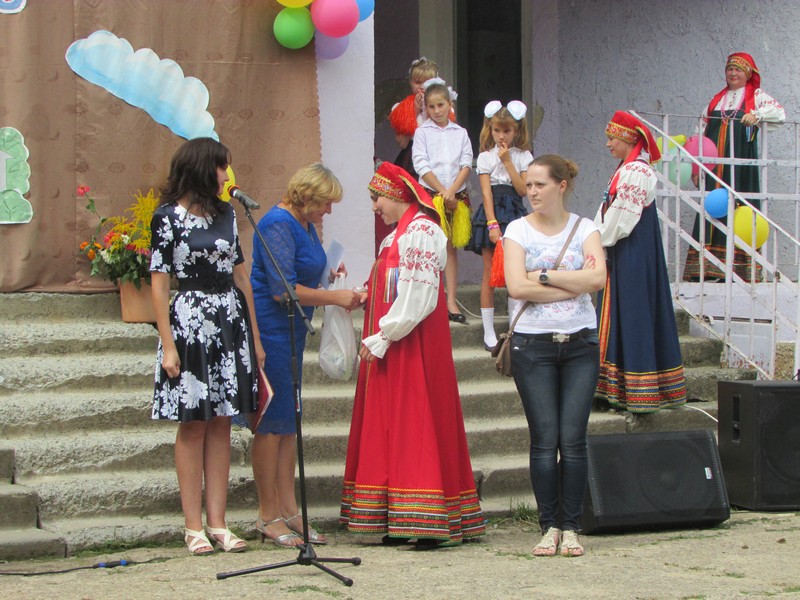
[119,249]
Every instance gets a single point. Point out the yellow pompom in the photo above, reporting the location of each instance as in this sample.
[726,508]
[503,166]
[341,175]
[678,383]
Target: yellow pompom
[462,225]
[438,204]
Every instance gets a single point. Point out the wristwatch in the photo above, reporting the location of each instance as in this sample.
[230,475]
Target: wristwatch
[544,278]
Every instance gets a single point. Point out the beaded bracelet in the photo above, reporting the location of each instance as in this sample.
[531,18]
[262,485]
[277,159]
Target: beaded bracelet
[493,226]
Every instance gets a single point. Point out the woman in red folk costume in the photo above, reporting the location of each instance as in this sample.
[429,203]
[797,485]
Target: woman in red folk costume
[641,369]
[734,115]
[408,471]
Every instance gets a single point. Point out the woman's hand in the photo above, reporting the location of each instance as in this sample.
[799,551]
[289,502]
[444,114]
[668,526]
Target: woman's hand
[450,201]
[171,363]
[365,354]
[334,274]
[261,356]
[504,155]
[495,235]
[749,119]
[348,299]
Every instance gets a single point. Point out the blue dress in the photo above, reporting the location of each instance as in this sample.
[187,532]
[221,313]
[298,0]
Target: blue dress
[300,255]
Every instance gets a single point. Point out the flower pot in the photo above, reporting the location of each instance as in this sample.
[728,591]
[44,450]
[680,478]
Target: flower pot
[137,304]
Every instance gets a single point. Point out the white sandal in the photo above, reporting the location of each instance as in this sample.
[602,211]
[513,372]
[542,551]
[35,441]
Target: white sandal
[570,546]
[314,536]
[196,541]
[548,545]
[229,541]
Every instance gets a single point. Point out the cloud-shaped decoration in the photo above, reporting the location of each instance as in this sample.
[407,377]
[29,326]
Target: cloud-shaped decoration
[12,6]
[140,78]
[15,174]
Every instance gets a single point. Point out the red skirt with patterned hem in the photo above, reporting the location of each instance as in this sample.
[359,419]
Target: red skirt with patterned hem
[408,470]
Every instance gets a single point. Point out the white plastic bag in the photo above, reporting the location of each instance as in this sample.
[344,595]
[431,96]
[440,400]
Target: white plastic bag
[337,345]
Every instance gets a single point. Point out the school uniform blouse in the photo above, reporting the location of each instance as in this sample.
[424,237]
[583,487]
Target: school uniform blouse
[441,150]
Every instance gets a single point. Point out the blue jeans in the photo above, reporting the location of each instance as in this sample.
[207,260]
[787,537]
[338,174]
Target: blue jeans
[556,382]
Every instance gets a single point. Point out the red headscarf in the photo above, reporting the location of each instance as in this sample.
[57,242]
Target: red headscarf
[624,126]
[394,182]
[745,62]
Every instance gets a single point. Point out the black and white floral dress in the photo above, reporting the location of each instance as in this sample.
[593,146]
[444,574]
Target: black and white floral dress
[208,316]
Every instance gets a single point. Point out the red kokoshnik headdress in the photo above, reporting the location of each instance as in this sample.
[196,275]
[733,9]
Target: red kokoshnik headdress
[745,62]
[395,183]
[624,126]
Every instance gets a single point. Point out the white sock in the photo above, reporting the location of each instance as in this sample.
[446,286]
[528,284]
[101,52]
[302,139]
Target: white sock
[489,336]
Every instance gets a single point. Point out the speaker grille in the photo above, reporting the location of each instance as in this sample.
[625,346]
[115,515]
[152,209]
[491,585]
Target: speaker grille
[654,480]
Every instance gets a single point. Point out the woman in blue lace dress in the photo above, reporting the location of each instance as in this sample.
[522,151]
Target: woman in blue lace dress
[289,229]
[208,336]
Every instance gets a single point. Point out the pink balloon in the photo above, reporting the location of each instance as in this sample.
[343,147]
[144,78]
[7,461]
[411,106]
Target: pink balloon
[335,18]
[330,47]
[693,146]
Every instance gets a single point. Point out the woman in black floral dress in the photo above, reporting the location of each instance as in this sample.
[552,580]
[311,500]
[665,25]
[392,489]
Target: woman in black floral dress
[205,372]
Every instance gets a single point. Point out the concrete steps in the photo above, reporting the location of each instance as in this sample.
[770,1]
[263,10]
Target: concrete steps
[75,402]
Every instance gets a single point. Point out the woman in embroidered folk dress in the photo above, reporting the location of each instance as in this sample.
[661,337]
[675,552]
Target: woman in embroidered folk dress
[408,470]
[289,229]
[554,347]
[641,369]
[736,113]
[208,336]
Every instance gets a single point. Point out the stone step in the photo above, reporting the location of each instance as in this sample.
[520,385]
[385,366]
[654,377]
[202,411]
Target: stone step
[700,352]
[109,451]
[17,506]
[6,463]
[31,414]
[37,307]
[45,338]
[22,544]
[701,382]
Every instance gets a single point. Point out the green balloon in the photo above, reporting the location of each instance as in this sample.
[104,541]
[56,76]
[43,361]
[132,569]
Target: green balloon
[293,28]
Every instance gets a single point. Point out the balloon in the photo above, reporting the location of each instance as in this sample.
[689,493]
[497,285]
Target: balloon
[294,3]
[682,173]
[675,140]
[225,196]
[293,28]
[335,18]
[330,47]
[365,9]
[693,146]
[743,227]
[716,203]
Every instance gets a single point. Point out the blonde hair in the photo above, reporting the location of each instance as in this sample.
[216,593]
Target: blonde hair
[559,168]
[311,187]
[423,69]
[503,117]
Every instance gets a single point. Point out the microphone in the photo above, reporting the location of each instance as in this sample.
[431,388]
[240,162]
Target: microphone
[246,200]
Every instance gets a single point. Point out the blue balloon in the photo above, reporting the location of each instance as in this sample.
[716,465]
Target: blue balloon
[716,203]
[365,8]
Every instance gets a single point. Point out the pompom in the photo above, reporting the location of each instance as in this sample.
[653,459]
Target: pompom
[497,276]
[462,225]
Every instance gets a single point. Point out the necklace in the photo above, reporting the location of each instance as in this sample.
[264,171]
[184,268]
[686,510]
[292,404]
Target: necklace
[727,110]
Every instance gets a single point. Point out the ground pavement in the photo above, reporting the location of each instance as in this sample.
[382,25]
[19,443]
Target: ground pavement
[752,555]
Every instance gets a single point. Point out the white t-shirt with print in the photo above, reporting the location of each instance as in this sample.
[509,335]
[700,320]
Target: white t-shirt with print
[541,251]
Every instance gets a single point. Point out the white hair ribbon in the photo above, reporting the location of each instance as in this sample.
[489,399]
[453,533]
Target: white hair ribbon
[517,109]
[491,109]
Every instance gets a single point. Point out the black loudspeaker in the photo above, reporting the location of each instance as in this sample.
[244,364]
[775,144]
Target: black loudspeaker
[654,481]
[759,443]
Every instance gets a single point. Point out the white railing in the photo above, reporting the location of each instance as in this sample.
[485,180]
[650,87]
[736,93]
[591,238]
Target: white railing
[749,316]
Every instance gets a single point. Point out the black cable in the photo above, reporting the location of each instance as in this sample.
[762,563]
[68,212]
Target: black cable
[101,565]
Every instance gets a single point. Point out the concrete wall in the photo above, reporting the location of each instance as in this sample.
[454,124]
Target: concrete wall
[591,58]
[346,103]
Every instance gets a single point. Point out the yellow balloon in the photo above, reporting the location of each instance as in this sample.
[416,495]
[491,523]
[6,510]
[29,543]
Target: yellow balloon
[225,196]
[743,227]
[675,140]
[294,3]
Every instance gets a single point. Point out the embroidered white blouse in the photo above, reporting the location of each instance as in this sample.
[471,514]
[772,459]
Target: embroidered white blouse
[423,255]
[443,150]
[636,189]
[767,109]
[489,163]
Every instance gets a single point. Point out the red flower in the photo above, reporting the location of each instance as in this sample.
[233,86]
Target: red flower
[91,254]
[82,190]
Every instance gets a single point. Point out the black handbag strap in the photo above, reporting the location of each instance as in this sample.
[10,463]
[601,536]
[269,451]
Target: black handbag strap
[554,267]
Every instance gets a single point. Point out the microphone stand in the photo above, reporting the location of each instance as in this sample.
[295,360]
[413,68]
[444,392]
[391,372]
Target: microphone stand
[307,555]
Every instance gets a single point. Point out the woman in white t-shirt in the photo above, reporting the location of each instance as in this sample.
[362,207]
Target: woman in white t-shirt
[555,350]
